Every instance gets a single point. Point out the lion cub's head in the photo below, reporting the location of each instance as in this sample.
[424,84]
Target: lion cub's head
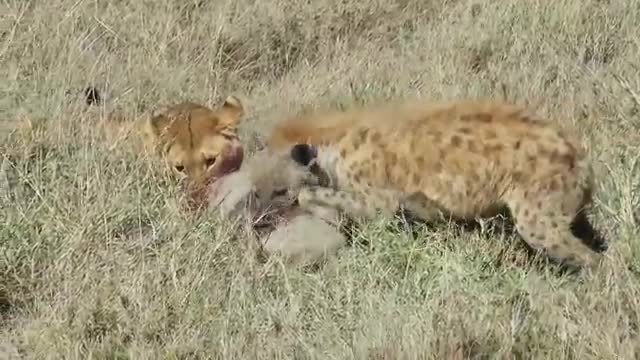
[198,143]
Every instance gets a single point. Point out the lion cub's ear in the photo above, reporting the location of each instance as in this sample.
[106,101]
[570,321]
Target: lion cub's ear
[157,124]
[153,128]
[157,121]
[231,112]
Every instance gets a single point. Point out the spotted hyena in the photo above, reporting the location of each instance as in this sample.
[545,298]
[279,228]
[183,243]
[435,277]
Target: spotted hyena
[463,159]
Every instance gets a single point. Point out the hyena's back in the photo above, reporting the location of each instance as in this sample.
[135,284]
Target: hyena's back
[466,155]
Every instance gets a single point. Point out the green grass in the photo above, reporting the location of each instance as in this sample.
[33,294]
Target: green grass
[99,260]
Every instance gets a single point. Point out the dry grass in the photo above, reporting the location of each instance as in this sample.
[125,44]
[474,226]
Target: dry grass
[98,260]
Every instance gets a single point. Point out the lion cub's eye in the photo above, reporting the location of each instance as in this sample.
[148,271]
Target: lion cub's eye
[179,168]
[210,161]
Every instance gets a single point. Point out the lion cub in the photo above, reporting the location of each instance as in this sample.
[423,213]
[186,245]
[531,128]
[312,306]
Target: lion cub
[464,159]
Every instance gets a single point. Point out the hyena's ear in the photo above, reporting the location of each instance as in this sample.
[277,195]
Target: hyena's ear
[303,154]
[231,112]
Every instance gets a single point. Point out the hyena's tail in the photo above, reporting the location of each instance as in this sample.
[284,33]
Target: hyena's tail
[581,226]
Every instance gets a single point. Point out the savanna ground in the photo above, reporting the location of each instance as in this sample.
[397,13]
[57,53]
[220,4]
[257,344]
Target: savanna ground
[98,259]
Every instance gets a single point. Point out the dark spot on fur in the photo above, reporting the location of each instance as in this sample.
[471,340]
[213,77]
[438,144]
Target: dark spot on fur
[494,148]
[303,154]
[465,130]
[376,137]
[566,242]
[518,143]
[362,137]
[567,159]
[468,192]
[517,176]
[456,141]
[485,118]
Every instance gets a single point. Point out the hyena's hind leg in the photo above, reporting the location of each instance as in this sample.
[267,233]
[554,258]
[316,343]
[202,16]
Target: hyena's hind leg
[583,229]
[544,220]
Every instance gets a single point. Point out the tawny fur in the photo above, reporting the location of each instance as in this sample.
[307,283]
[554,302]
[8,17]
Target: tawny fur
[465,159]
[198,142]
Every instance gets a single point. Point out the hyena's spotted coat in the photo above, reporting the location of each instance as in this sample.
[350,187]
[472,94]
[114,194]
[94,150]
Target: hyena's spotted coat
[464,159]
